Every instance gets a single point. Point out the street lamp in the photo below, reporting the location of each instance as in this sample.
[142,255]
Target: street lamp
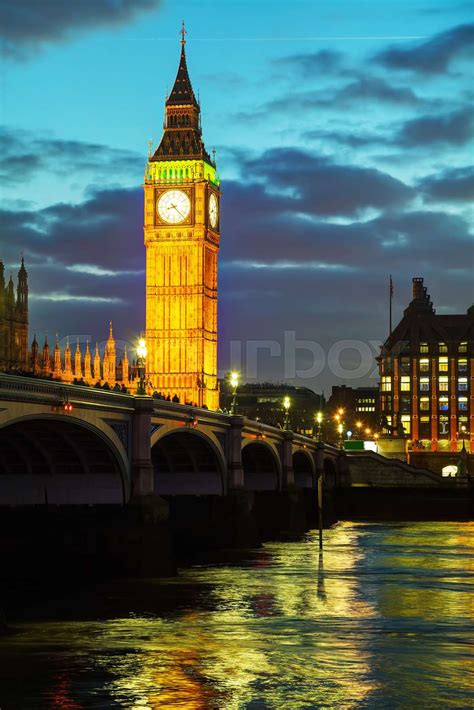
[359,426]
[234,383]
[340,429]
[141,358]
[286,407]
[319,421]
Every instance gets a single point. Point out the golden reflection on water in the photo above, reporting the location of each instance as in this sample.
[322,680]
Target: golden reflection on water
[382,619]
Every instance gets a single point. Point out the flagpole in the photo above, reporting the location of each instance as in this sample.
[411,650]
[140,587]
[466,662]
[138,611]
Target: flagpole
[390,305]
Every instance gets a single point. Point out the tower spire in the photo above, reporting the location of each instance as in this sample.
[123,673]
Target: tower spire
[183,35]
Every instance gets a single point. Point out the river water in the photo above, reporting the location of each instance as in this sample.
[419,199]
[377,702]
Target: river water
[382,619]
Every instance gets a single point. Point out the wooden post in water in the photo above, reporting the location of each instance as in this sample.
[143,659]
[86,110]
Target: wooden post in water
[320,475]
[320,509]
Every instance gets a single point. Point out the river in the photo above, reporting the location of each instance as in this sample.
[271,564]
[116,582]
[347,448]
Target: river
[382,619]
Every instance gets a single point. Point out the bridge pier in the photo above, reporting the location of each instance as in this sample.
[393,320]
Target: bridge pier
[235,471]
[142,474]
[287,472]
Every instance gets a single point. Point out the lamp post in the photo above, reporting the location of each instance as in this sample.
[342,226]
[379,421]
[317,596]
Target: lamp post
[359,426]
[319,421]
[340,429]
[141,358]
[234,383]
[340,426]
[286,407]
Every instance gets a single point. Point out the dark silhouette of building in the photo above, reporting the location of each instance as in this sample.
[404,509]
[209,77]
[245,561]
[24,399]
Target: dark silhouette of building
[14,321]
[264,402]
[427,376]
[359,403]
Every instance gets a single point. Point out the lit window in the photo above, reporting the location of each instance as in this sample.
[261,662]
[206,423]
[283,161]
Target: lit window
[443,364]
[424,404]
[442,348]
[406,423]
[462,404]
[424,348]
[443,404]
[424,364]
[462,348]
[443,383]
[462,365]
[386,383]
[424,420]
[424,384]
[462,384]
[405,383]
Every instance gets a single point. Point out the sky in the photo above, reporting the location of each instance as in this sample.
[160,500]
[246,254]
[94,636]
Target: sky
[343,133]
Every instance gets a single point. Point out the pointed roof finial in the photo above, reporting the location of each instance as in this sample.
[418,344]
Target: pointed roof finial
[183,35]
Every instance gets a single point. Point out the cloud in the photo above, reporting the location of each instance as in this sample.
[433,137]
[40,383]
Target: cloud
[434,56]
[455,128]
[350,139]
[25,154]
[272,254]
[377,89]
[61,297]
[28,25]
[456,185]
[94,270]
[67,293]
[320,187]
[325,61]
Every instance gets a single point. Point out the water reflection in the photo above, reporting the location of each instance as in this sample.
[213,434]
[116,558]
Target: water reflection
[381,619]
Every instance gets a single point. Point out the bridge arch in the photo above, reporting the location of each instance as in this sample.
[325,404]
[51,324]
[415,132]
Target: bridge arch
[187,462]
[261,465]
[303,468]
[59,460]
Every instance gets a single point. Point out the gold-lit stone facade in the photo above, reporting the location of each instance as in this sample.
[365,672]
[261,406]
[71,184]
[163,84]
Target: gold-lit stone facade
[181,233]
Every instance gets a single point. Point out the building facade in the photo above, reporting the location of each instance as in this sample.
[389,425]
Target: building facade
[359,404]
[181,233]
[14,321]
[264,402]
[427,377]
[97,367]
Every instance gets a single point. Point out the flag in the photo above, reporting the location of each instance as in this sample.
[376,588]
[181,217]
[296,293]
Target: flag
[391,286]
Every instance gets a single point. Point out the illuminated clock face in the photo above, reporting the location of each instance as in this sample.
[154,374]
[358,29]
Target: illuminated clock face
[213,210]
[174,206]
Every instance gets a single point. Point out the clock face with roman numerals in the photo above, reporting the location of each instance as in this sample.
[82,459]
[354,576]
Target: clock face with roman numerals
[174,206]
[213,211]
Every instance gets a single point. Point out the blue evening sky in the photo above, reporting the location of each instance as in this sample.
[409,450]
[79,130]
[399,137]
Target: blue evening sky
[344,143]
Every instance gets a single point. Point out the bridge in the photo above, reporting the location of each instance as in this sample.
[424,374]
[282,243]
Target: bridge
[69,444]
[100,482]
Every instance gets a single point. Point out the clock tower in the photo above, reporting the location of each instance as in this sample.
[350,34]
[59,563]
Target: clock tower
[182,244]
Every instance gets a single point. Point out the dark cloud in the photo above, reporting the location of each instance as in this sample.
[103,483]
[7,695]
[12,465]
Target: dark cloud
[350,139]
[376,89]
[434,56]
[85,261]
[320,187]
[27,25]
[454,128]
[24,154]
[325,61]
[455,185]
